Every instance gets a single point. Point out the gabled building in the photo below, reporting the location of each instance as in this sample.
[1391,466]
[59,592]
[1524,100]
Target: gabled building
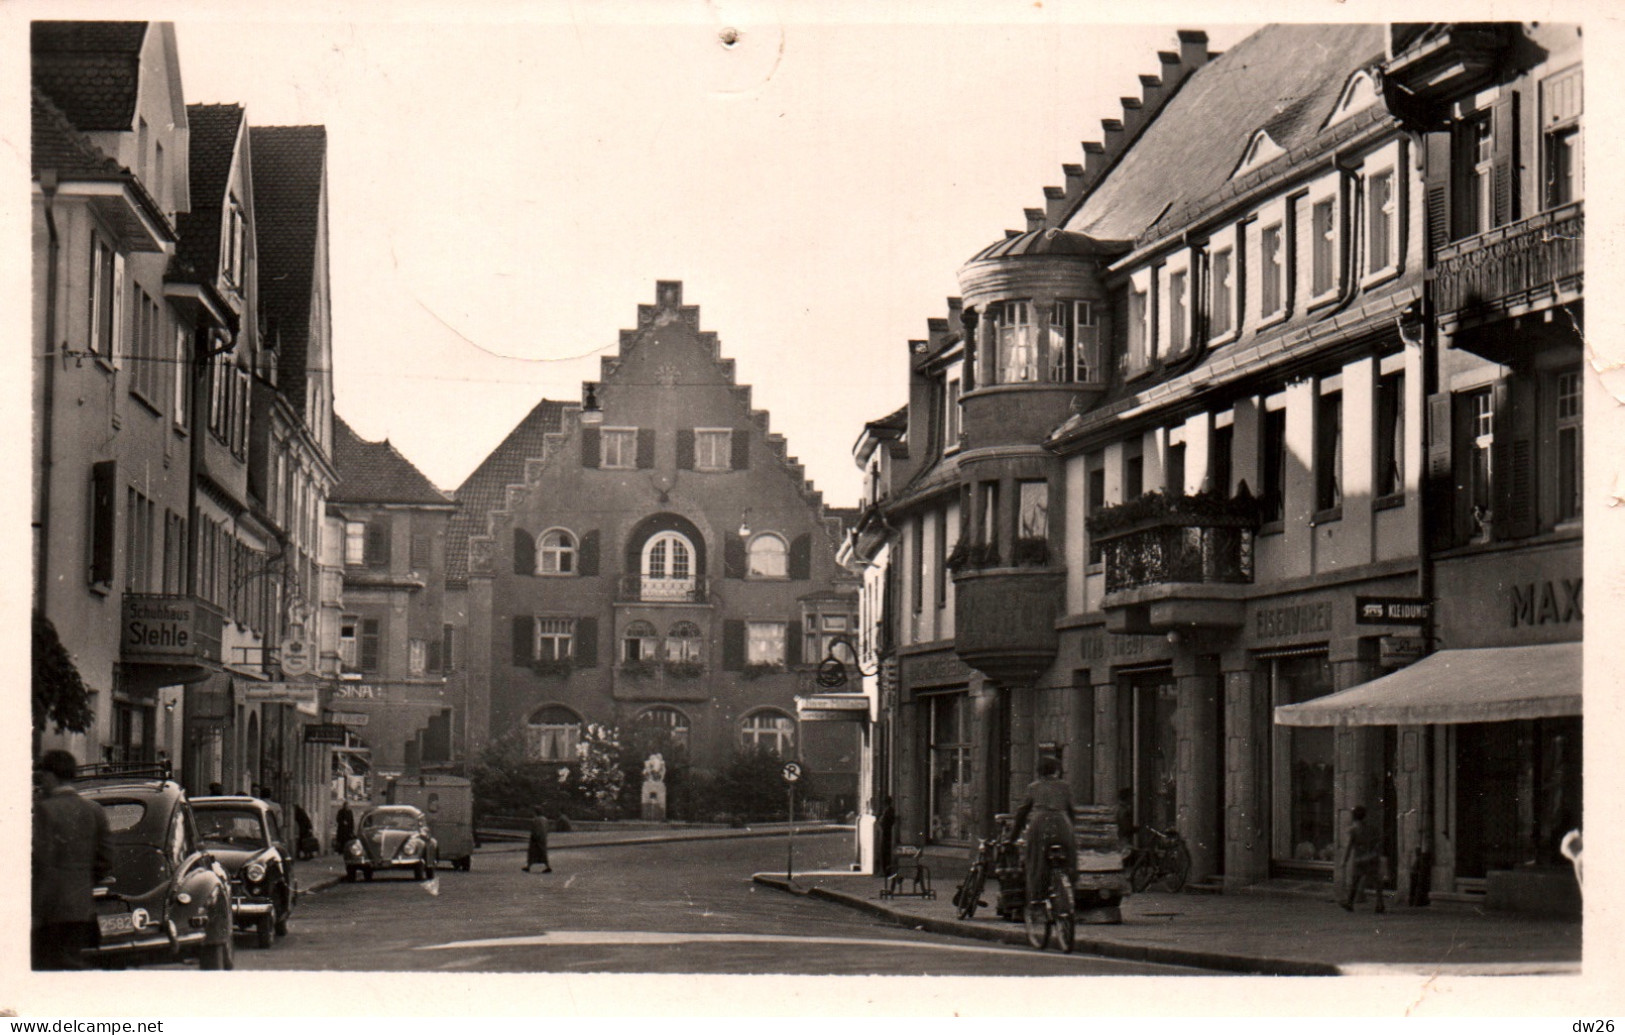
[111,460]
[394,644]
[663,567]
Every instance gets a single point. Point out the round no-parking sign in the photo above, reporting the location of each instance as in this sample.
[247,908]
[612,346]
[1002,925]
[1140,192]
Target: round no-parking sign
[792,772]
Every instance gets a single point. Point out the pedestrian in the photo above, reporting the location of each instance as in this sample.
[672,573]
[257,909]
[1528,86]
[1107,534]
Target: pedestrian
[72,854]
[346,828]
[1363,857]
[1048,815]
[537,851]
[885,826]
[305,833]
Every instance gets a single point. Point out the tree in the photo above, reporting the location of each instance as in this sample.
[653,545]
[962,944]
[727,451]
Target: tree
[509,783]
[601,775]
[60,696]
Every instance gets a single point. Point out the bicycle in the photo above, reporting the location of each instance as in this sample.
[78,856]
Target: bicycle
[1054,913]
[1166,858]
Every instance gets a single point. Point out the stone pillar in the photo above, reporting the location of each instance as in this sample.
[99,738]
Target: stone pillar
[1413,802]
[1357,774]
[1081,743]
[1107,765]
[1248,729]
[1197,807]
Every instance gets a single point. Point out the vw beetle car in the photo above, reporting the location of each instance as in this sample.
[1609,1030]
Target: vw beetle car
[391,837]
[246,839]
[167,897]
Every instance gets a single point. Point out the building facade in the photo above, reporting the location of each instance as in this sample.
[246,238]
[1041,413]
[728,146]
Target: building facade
[1244,420]
[663,567]
[394,644]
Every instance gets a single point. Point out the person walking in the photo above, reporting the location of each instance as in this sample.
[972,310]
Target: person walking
[72,854]
[1048,814]
[537,850]
[346,828]
[1363,858]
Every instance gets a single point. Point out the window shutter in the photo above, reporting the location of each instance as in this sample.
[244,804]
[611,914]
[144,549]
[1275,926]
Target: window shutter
[1441,486]
[733,645]
[585,647]
[733,558]
[524,553]
[1515,411]
[646,448]
[1436,179]
[590,447]
[685,449]
[588,554]
[524,639]
[1504,119]
[801,557]
[792,641]
[740,458]
[104,519]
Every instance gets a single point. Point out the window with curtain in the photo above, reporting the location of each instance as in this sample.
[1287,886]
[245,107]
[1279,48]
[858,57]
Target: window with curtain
[552,734]
[768,556]
[769,729]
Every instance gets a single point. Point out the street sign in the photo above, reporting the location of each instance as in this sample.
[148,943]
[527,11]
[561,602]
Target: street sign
[833,708]
[1392,611]
[792,772]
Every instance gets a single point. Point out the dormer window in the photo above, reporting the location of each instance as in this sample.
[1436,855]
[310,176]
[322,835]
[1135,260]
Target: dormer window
[1359,93]
[1260,150]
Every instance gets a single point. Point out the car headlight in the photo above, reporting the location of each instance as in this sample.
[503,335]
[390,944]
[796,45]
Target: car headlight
[254,872]
[413,846]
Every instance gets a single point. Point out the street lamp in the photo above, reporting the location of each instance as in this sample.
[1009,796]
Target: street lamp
[591,414]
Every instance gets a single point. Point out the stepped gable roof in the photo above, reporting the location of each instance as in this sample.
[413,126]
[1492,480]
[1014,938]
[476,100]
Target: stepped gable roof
[1283,78]
[91,69]
[485,489]
[211,142]
[289,165]
[376,472]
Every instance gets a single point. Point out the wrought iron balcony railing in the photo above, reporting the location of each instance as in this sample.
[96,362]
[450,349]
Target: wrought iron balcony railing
[652,589]
[1175,549]
[1512,262]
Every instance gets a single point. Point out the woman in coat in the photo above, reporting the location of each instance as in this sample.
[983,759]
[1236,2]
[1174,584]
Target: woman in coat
[537,852]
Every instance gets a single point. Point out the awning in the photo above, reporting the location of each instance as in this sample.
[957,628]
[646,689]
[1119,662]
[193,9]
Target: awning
[1481,684]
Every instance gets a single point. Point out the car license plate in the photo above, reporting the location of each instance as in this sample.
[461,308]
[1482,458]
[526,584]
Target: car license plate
[115,923]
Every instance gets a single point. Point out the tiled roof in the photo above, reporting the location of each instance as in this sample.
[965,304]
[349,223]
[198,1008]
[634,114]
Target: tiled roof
[58,145]
[483,491]
[896,420]
[376,472]
[91,69]
[1283,77]
[289,165]
[211,142]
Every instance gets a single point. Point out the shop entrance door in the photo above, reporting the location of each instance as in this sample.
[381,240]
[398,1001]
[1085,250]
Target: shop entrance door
[1154,759]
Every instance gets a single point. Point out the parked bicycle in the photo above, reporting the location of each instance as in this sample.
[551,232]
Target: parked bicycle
[992,853]
[1166,859]
[1055,912]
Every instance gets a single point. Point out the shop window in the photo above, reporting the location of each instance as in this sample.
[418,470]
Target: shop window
[767,556]
[553,734]
[952,796]
[769,730]
[1303,814]
[556,553]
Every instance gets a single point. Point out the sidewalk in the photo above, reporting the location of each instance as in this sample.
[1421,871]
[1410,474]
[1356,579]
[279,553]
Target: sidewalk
[1253,932]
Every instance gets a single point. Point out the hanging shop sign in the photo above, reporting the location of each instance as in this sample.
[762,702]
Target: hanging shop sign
[280,693]
[324,733]
[833,708]
[348,718]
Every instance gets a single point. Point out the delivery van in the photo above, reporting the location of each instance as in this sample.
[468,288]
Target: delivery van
[448,801]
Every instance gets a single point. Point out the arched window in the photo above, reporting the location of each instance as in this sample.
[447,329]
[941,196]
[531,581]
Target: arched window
[770,729]
[556,553]
[683,642]
[769,557]
[668,567]
[552,733]
[662,723]
[641,642]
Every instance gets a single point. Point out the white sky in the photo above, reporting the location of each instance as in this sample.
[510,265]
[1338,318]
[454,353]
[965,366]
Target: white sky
[507,186]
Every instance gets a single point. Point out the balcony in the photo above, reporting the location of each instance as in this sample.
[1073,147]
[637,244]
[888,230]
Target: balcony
[1176,562]
[649,589]
[173,638]
[1511,270]
[1004,620]
[1440,63]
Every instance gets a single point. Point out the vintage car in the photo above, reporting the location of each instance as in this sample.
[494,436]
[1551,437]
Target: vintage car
[391,837]
[246,838]
[167,897]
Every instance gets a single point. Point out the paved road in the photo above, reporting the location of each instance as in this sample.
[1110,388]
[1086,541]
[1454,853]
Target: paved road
[685,907]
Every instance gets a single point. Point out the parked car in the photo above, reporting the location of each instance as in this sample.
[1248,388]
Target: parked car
[167,897]
[246,838]
[391,837]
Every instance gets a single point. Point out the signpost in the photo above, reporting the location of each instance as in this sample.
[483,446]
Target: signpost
[792,773]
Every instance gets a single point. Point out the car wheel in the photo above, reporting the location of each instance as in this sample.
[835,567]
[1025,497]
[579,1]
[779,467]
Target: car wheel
[285,900]
[420,871]
[265,931]
[367,872]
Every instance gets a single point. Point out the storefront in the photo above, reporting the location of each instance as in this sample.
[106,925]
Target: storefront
[937,754]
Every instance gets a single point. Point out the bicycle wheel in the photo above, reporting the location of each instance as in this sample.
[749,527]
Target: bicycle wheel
[1065,913]
[1139,878]
[970,892]
[1177,866]
[1036,918]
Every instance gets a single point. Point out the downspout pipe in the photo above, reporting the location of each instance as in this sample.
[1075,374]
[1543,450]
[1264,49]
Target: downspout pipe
[42,521]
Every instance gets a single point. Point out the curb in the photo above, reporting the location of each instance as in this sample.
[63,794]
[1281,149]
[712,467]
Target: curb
[329,880]
[1232,962]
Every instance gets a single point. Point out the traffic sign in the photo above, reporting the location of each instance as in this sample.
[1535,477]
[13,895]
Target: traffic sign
[792,772]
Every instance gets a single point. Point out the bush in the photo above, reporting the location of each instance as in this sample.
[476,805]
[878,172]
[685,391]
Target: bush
[507,783]
[751,787]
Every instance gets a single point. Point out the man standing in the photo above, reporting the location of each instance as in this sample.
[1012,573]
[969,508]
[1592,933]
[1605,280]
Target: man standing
[346,828]
[1363,857]
[72,854]
[536,852]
